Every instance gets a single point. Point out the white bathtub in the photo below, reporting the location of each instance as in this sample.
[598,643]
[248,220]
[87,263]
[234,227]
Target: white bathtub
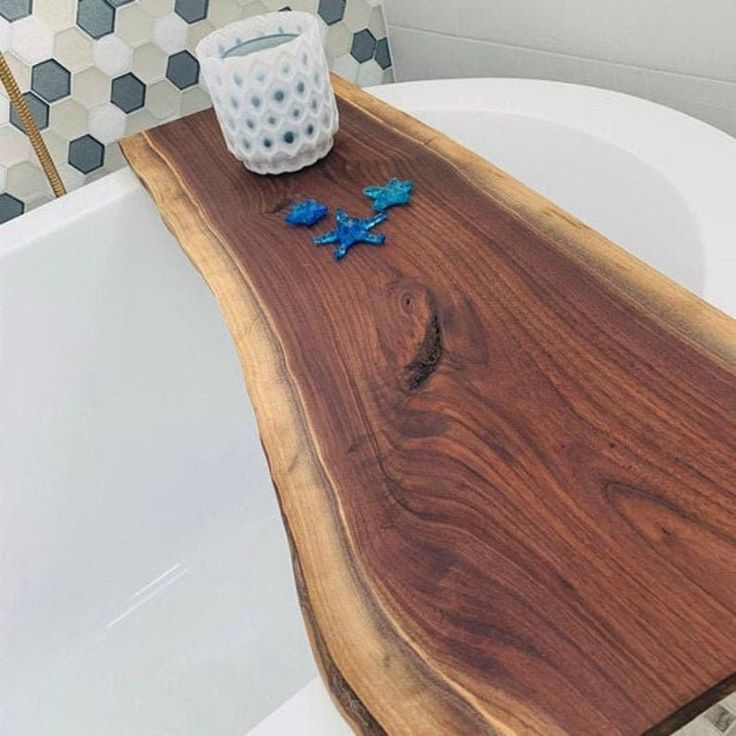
[145,580]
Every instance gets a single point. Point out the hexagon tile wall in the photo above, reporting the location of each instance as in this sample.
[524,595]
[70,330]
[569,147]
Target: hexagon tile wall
[93,71]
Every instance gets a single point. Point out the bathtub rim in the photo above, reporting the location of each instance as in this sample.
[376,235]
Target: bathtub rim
[697,159]
[54,215]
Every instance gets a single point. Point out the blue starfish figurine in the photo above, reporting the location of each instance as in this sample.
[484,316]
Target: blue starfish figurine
[306,213]
[351,230]
[393,193]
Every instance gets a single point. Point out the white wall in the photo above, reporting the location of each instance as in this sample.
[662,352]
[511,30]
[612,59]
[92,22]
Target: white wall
[681,53]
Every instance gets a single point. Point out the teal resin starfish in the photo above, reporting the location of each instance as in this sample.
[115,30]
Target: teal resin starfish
[350,231]
[393,193]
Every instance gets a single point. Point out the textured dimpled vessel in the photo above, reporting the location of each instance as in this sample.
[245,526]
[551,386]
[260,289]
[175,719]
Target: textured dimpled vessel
[270,86]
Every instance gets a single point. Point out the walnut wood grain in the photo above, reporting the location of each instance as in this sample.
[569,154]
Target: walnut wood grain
[503,447]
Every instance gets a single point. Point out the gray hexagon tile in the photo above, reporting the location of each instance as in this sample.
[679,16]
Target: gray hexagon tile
[50,80]
[96,17]
[39,112]
[10,207]
[93,71]
[15,9]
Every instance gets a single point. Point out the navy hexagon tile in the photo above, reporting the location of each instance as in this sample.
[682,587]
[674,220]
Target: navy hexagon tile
[364,46]
[331,11]
[86,154]
[93,71]
[192,10]
[383,53]
[182,70]
[10,207]
[128,92]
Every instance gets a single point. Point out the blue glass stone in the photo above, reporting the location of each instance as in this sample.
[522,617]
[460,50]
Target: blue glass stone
[306,213]
[393,193]
[352,230]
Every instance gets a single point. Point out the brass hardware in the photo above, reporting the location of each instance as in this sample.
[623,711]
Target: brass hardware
[17,99]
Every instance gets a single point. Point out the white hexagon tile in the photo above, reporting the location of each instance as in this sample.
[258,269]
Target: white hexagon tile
[93,71]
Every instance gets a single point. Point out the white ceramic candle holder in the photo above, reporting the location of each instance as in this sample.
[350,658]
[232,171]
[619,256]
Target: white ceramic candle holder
[270,87]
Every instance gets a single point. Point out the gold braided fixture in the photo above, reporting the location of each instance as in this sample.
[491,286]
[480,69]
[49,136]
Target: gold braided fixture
[31,129]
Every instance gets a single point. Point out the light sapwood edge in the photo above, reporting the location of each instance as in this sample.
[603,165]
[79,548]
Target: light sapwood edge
[698,322]
[381,660]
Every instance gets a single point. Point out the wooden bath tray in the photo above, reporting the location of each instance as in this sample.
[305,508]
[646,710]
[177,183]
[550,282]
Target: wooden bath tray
[504,449]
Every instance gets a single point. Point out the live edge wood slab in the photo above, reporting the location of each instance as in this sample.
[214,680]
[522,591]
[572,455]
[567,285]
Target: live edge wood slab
[504,449]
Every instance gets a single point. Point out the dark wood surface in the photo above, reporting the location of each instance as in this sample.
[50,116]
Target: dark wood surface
[503,448]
